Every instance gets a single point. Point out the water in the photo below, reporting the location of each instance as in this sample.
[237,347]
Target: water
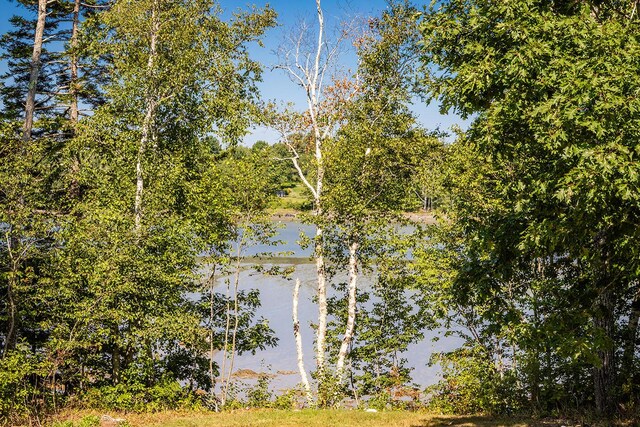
[276,297]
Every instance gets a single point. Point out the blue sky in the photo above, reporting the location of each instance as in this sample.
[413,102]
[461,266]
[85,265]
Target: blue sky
[276,85]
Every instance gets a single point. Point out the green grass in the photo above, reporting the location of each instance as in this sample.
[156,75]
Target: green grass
[296,198]
[306,418]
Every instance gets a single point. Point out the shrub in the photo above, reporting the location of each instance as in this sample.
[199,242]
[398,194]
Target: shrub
[138,397]
[259,396]
[288,400]
[20,371]
[472,384]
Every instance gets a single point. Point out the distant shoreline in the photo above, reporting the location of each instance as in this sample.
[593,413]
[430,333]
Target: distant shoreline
[286,215]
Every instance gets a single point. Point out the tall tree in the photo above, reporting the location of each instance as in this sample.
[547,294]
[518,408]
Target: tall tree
[34,70]
[360,134]
[551,85]
[110,269]
[312,65]
[371,156]
[177,71]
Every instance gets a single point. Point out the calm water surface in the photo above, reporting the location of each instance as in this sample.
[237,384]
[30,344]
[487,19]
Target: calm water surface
[276,297]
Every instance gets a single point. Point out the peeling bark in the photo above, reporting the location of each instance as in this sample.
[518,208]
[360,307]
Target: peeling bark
[322,301]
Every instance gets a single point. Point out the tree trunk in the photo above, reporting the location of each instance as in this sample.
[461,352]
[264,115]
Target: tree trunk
[298,338]
[631,338]
[533,361]
[212,283]
[35,71]
[351,309]
[11,335]
[236,322]
[74,189]
[73,81]
[225,347]
[231,352]
[115,357]
[149,117]
[322,301]
[10,338]
[604,374]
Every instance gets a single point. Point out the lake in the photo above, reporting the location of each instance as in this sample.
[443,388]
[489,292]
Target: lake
[276,297]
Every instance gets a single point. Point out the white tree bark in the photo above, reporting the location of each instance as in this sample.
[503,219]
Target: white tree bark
[149,117]
[322,300]
[351,309]
[298,337]
[35,71]
[212,350]
[229,352]
[225,347]
[312,98]
[308,67]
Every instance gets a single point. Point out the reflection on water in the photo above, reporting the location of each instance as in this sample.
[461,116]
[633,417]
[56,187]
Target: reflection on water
[276,297]
[288,236]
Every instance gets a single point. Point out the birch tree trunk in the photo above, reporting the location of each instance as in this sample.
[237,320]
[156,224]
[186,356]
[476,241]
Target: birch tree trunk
[236,322]
[212,283]
[351,309]
[309,66]
[149,117]
[35,71]
[298,338]
[312,98]
[229,349]
[322,300]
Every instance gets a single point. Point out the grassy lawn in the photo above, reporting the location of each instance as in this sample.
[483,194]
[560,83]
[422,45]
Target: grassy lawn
[306,418]
[296,197]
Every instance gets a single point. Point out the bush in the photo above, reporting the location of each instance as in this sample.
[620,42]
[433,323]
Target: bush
[90,421]
[288,400]
[472,384]
[260,396]
[138,397]
[19,394]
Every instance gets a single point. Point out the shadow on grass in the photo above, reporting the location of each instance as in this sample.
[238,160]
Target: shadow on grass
[471,421]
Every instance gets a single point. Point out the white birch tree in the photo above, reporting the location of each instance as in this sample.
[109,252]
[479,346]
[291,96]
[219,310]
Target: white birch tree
[312,66]
[359,132]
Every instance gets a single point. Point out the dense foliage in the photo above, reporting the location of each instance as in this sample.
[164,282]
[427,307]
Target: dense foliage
[127,205]
[543,188]
[103,219]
